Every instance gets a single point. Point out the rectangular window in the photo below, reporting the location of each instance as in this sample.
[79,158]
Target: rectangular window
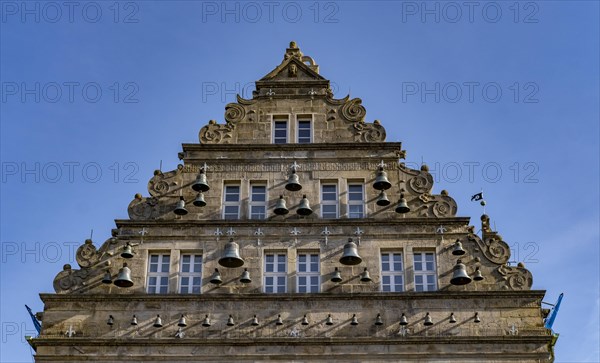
[392,272]
[425,274]
[304,130]
[275,273]
[356,202]
[231,202]
[258,201]
[308,272]
[329,201]
[158,274]
[280,129]
[190,274]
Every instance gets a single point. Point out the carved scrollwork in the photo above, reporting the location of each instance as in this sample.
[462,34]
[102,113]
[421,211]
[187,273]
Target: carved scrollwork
[87,255]
[160,185]
[494,249]
[444,208]
[214,133]
[234,112]
[353,110]
[421,183]
[368,132]
[69,278]
[516,278]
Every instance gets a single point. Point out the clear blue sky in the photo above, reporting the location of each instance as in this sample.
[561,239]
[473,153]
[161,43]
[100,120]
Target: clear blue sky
[183,61]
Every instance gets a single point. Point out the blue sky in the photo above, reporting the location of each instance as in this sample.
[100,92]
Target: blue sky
[501,96]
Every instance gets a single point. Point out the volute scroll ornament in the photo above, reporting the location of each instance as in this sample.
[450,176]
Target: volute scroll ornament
[353,110]
[214,133]
[493,248]
[421,183]
[516,278]
[160,184]
[365,132]
[234,112]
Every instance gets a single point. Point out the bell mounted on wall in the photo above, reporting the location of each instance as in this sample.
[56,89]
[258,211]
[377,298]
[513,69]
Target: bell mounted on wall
[403,320]
[201,184]
[458,249]
[402,207]
[382,199]
[378,320]
[304,320]
[134,320]
[180,207]
[182,323]
[477,276]
[215,278]
[206,321]
[304,207]
[245,279]
[231,255]
[199,201]
[381,181]
[280,207]
[110,320]
[428,321]
[157,322]
[230,321]
[452,318]
[354,320]
[364,276]
[337,276]
[350,256]
[329,320]
[254,321]
[279,320]
[293,183]
[459,275]
[124,277]
[127,251]
[107,279]
[476,319]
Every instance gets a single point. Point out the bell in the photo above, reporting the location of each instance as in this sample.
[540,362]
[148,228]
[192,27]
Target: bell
[304,207]
[452,318]
[254,321]
[428,321]
[329,320]
[206,321]
[201,185]
[354,320]
[460,276]
[127,251]
[382,199]
[381,181]
[279,321]
[180,208]
[110,320]
[231,256]
[402,205]
[124,277]
[280,207]
[230,321]
[134,320]
[477,276]
[215,278]
[350,256]
[378,320]
[293,183]
[403,320]
[182,322]
[157,322]
[458,249]
[364,276]
[476,319]
[337,277]
[199,201]
[245,279]
[107,279]
[304,320]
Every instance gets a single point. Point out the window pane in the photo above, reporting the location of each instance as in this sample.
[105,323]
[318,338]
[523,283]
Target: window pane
[418,266]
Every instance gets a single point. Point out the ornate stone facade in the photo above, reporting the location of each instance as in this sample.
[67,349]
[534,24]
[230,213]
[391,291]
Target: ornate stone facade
[293,124]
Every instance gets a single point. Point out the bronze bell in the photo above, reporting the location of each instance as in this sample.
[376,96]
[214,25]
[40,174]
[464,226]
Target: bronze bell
[254,321]
[329,320]
[381,181]
[199,201]
[127,251]
[280,207]
[180,208]
[476,319]
[124,277]
[279,320]
[293,183]
[134,320]
[206,321]
[364,276]
[304,320]
[460,276]
[402,205]
[107,279]
[231,256]
[230,321]
[350,256]
[354,320]
[304,207]
[378,320]
[382,199]
[201,185]
[452,318]
[458,249]
[215,278]
[403,320]
[110,320]
[428,321]
[181,321]
[477,276]
[157,322]
[337,277]
[245,279]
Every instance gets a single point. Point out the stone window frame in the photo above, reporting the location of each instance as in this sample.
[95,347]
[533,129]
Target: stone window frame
[427,272]
[349,203]
[252,203]
[335,202]
[159,275]
[305,118]
[393,273]
[190,274]
[280,118]
[226,203]
[308,274]
[276,274]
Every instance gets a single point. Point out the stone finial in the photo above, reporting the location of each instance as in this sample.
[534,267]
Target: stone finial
[293,45]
